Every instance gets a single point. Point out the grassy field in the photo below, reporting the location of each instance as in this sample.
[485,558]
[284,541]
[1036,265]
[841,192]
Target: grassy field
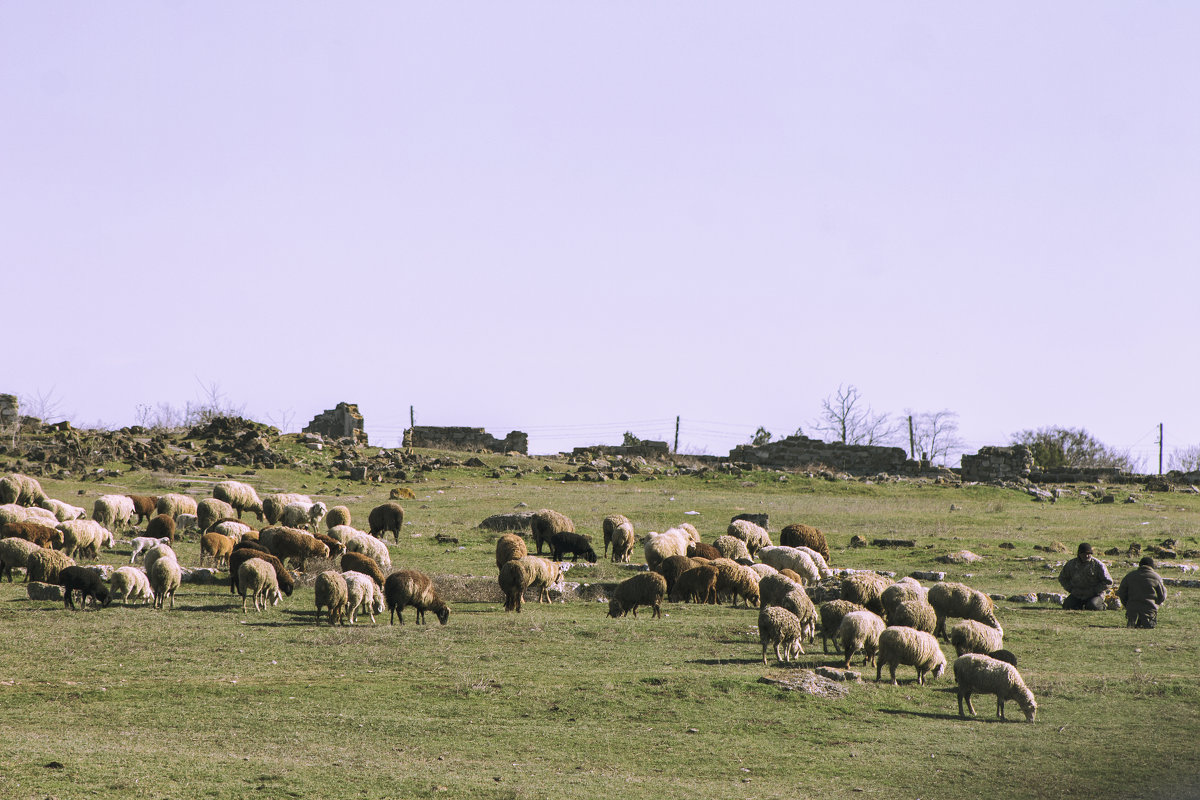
[560,701]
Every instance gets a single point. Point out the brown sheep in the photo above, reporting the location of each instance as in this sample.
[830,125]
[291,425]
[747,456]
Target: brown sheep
[217,546]
[408,587]
[384,518]
[143,506]
[508,548]
[672,567]
[41,535]
[703,550]
[338,515]
[336,548]
[791,573]
[800,535]
[242,554]
[697,585]
[357,562]
[161,526]
[289,544]
[331,592]
[545,523]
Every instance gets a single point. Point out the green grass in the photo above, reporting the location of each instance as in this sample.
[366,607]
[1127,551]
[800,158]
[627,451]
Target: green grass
[560,701]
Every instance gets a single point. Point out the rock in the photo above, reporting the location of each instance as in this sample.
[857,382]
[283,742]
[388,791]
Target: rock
[1007,546]
[43,591]
[513,521]
[929,576]
[893,543]
[1029,597]
[842,675]
[961,557]
[1051,597]
[807,681]
[857,541]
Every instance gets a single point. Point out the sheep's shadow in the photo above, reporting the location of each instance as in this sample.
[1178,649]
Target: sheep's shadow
[720,662]
[904,712]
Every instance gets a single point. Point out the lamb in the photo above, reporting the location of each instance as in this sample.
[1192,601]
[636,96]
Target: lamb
[702,550]
[45,565]
[545,523]
[509,547]
[241,496]
[15,552]
[113,511]
[671,568]
[610,525]
[273,504]
[386,517]
[332,592]
[211,510]
[338,515]
[798,534]
[302,515]
[576,544]
[530,572]
[257,578]
[362,592]
[65,511]
[368,545]
[175,504]
[859,630]
[85,581]
[960,600]
[141,543]
[753,535]
[977,673]
[778,626]
[165,576]
[290,544]
[130,583]
[242,554]
[143,505]
[36,532]
[866,589]
[22,490]
[84,537]
[898,645]
[969,636]
[793,559]
[408,587]
[913,614]
[831,613]
[186,523]
[216,546]
[643,589]
[696,585]
[731,547]
[660,546]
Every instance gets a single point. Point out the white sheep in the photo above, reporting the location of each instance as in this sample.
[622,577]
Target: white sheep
[899,645]
[859,630]
[186,523]
[65,511]
[658,547]
[794,559]
[764,570]
[969,636]
[273,504]
[233,529]
[731,547]
[256,578]
[980,674]
[159,551]
[141,543]
[755,536]
[368,545]
[241,496]
[43,516]
[130,583]
[165,576]
[302,515]
[362,592]
[84,537]
[12,512]
[113,511]
[14,553]
[175,504]
[778,626]
[818,559]
[959,600]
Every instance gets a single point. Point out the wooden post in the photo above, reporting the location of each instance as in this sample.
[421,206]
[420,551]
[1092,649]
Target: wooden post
[1160,447]
[912,439]
[676,450]
[412,426]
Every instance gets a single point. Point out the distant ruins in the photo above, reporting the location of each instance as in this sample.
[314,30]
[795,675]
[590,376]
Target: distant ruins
[801,451]
[468,440]
[340,422]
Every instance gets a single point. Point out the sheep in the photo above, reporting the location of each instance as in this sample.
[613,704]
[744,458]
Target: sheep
[175,504]
[778,626]
[241,496]
[384,518]
[753,535]
[689,530]
[545,523]
[831,613]
[36,532]
[345,533]
[969,636]
[763,570]
[509,547]
[772,588]
[736,580]
[368,545]
[85,581]
[671,568]
[165,576]
[959,600]
[977,673]
[790,558]
[622,543]
[157,553]
[141,543]
[84,537]
[44,565]
[696,585]
[291,544]
[216,546]
[113,511]
[331,592]
[357,562]
[302,515]
[338,515]
[660,546]
[362,592]
[130,583]
[65,511]
[643,589]
[232,528]
[866,589]
[336,548]
[731,547]
[576,544]
[798,534]
[22,490]
[801,605]
[257,578]
[15,552]
[899,645]
[242,554]
[818,559]
[900,591]
[143,505]
[529,572]
[408,587]
[186,523]
[11,512]
[702,550]
[610,525]
[211,510]
[161,526]
[859,630]
[273,504]
[913,614]
[42,516]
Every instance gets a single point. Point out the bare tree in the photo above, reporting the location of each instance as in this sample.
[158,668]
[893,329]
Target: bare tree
[935,434]
[214,403]
[1185,459]
[282,419]
[848,419]
[43,405]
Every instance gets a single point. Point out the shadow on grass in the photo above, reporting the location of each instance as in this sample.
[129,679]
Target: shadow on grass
[903,712]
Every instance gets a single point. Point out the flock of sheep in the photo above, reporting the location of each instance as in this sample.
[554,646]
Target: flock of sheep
[891,623]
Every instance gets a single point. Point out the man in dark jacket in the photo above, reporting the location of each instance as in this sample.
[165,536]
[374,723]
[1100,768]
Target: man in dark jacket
[1086,580]
[1142,592]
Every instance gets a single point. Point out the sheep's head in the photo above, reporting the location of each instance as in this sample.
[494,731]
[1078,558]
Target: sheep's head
[443,613]
[103,597]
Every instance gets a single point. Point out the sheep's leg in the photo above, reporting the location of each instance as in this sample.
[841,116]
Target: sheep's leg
[1000,706]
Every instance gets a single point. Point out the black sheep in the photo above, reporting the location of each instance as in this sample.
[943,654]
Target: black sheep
[574,543]
[85,581]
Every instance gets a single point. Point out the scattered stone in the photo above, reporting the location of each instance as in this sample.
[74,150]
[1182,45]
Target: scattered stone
[858,541]
[961,557]
[1029,597]
[1134,551]
[809,682]
[1007,546]
[841,675]
[513,521]
[1051,597]
[893,543]
[43,591]
[929,576]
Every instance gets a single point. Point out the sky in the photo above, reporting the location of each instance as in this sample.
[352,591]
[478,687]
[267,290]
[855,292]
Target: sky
[578,219]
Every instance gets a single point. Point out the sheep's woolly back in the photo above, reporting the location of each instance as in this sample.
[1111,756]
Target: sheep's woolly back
[363,593]
[755,536]
[980,674]
[610,525]
[274,504]
[959,600]
[660,546]
[866,589]
[798,534]
[731,547]
[15,552]
[84,537]
[369,546]
[164,575]
[45,565]
[22,490]
[689,530]
[778,626]
[345,533]
[909,647]
[622,542]
[798,561]
[859,630]
[671,568]
[969,636]
[913,614]
[545,523]
[338,515]
[737,580]
[330,591]
[65,511]
[175,504]
[257,579]
[799,603]
[408,587]
[643,589]
[113,511]
[508,548]
[696,585]
[900,591]
[130,583]
[530,572]
[357,562]
[211,510]
[241,496]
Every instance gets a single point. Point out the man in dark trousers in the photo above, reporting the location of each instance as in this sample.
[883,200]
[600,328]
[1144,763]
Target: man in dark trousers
[1142,592]
[1086,580]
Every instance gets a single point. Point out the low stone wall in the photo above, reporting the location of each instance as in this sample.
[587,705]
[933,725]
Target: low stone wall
[10,412]
[800,451]
[998,464]
[465,440]
[342,421]
[645,449]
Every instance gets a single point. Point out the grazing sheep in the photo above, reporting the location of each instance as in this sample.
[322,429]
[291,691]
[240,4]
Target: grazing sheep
[791,558]
[297,546]
[85,581]
[545,523]
[689,530]
[248,543]
[736,580]
[911,647]
[980,674]
[257,578]
[960,600]
[273,504]
[141,543]
[362,592]
[509,547]
[859,630]
[36,532]
[866,589]
[368,545]
[11,512]
[22,490]
[660,546]
[331,592]
[232,528]
[772,588]
[610,525]
[408,587]
[900,591]
[15,552]
[130,583]
[144,506]
[242,553]
[165,576]
[791,573]
[345,533]
[82,538]
[671,568]
[336,548]
[302,515]
[622,543]
[65,511]
[113,511]
[799,603]
[338,515]
[702,550]
[161,526]
[530,572]
[913,614]
[211,510]
[643,589]
[831,613]
[42,516]
[186,523]
[969,636]
[241,496]
[157,552]
[576,544]
[384,518]
[45,565]
[175,504]
[778,626]
[216,546]
[696,585]
[1007,656]
[753,535]
[763,570]
[357,562]
[731,547]
[797,535]
[818,559]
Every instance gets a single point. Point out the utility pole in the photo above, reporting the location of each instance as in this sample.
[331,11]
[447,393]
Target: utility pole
[912,440]
[412,426]
[1160,447]
[676,450]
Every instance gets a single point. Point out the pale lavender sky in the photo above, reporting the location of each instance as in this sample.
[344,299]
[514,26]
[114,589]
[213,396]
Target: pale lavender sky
[576,219]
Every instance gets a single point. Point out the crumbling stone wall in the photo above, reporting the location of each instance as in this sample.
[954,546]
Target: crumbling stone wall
[800,451]
[10,411]
[339,423]
[646,449]
[467,440]
[998,464]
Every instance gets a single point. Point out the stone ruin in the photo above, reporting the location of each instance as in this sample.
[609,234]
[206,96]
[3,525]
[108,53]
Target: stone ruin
[1013,463]
[466,440]
[340,422]
[801,451]
[10,413]
[646,448]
